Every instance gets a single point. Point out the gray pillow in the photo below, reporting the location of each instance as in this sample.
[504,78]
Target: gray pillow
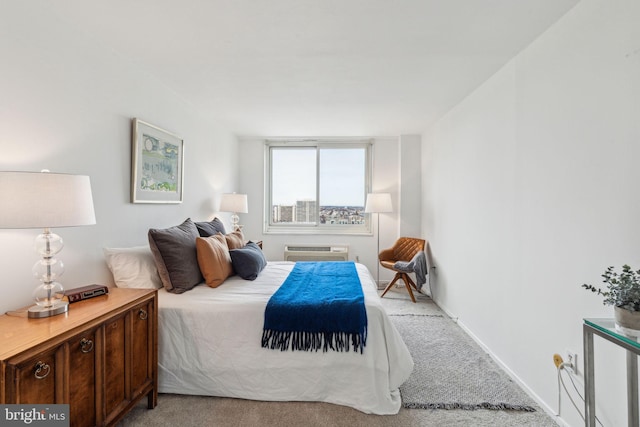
[248,261]
[210,228]
[174,250]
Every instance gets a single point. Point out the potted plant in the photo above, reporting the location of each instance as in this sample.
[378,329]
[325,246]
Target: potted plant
[623,292]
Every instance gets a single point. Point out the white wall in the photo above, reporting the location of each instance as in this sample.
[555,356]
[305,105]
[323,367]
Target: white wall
[66,105]
[530,189]
[410,186]
[388,161]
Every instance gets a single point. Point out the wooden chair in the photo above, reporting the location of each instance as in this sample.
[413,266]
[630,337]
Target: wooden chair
[404,249]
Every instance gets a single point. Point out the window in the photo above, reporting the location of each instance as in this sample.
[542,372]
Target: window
[317,187]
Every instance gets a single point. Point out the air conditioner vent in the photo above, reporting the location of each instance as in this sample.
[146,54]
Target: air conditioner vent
[309,248]
[316,252]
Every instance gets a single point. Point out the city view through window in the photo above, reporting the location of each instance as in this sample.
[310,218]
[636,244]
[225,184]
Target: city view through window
[318,186]
[304,212]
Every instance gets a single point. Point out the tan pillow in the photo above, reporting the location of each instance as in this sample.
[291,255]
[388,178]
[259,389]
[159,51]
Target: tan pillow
[235,240]
[214,259]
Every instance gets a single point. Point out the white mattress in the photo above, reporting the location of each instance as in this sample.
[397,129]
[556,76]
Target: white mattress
[210,344]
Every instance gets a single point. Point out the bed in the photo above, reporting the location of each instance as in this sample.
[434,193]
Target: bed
[210,344]
[213,290]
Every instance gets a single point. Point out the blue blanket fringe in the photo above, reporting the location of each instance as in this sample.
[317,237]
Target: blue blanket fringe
[320,306]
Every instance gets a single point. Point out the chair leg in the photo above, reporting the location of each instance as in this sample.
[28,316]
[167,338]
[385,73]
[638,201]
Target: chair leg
[393,282]
[411,282]
[408,283]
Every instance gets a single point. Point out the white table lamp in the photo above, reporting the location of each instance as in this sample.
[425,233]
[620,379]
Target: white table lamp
[46,200]
[235,203]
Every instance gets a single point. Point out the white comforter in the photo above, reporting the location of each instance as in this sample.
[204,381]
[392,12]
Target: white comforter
[209,344]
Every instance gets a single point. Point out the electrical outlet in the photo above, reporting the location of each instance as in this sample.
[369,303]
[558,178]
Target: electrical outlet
[572,358]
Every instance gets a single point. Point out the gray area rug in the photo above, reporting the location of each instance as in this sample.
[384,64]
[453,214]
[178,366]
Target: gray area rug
[451,371]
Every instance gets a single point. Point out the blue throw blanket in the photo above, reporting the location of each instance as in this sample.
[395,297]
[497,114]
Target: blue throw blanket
[320,305]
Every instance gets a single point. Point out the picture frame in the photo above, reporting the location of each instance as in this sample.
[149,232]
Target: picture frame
[157,164]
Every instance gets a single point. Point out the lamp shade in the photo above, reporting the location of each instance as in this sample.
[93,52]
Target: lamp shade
[232,202]
[378,203]
[43,200]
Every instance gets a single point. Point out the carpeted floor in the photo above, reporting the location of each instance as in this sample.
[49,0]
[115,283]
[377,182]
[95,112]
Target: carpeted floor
[188,411]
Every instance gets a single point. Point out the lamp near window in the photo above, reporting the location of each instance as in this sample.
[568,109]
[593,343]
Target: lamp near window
[378,203]
[46,200]
[235,203]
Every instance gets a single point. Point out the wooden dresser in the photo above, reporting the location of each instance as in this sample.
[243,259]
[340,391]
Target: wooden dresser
[101,357]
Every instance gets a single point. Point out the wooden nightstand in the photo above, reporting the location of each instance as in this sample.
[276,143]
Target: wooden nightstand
[101,357]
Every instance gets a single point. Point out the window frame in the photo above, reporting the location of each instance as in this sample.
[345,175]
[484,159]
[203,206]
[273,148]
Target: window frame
[317,229]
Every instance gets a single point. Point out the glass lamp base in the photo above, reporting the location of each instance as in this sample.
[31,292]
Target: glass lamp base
[58,308]
[234,221]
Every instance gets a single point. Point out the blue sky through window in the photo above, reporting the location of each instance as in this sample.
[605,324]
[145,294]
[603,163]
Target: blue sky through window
[342,176]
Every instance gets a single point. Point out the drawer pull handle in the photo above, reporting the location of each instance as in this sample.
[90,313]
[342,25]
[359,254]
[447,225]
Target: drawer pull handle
[41,370]
[86,345]
[142,314]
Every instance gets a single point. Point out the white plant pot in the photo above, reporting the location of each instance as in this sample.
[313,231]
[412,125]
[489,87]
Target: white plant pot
[627,322]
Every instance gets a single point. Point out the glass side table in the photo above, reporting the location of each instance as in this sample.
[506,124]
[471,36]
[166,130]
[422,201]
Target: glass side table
[606,329]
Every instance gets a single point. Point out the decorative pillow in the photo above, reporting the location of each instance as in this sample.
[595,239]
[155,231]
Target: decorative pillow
[133,267]
[174,250]
[235,240]
[210,228]
[248,261]
[214,259]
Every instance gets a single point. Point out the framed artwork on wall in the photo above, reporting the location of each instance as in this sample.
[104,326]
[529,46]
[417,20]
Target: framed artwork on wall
[157,164]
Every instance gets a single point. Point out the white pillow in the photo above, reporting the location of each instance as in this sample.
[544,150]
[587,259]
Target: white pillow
[133,267]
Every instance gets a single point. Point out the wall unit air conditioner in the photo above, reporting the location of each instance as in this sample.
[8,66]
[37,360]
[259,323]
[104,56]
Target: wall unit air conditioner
[316,253]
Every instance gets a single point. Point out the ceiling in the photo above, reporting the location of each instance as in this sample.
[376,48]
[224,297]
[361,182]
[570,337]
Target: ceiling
[317,67]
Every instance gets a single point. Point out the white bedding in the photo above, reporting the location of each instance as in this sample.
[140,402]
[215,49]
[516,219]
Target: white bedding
[210,344]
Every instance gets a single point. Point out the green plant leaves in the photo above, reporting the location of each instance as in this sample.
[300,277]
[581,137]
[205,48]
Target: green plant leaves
[623,288]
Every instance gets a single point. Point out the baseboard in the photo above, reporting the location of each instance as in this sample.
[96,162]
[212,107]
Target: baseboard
[550,411]
[382,285]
